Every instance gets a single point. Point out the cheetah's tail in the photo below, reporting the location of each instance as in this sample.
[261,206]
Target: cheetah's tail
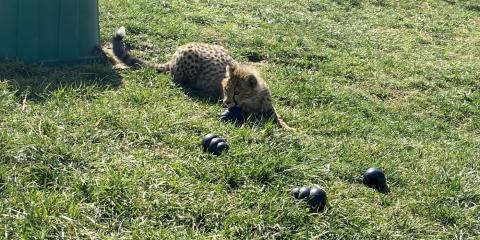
[121,52]
[278,120]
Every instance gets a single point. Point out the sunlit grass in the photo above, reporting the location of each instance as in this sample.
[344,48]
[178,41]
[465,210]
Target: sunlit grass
[90,152]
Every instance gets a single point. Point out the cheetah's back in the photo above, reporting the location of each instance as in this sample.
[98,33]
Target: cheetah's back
[201,67]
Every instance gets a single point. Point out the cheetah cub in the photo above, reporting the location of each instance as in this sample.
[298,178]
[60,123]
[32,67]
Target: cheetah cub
[210,71]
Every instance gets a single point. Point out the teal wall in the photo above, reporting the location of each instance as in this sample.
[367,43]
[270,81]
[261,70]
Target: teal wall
[37,31]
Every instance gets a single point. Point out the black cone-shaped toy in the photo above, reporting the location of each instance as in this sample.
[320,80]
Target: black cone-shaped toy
[375,178]
[206,140]
[295,191]
[221,147]
[214,144]
[317,199]
[303,193]
[232,114]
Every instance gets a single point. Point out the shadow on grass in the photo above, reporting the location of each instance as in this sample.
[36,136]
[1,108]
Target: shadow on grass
[252,121]
[197,95]
[466,4]
[37,82]
[473,7]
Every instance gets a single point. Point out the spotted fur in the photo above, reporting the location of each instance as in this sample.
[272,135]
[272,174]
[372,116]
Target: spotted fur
[210,71]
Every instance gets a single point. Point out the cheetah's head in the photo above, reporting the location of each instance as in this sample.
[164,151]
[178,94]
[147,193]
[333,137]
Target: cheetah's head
[244,87]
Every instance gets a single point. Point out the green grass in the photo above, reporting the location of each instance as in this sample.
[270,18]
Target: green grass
[88,152]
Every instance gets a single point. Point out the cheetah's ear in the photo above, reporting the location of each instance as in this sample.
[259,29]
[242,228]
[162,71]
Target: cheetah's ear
[252,80]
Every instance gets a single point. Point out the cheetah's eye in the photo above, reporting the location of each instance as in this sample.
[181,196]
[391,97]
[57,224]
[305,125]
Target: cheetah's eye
[236,92]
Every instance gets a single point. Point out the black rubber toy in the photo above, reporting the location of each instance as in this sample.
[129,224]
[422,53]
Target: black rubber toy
[303,193]
[214,144]
[232,114]
[295,191]
[206,140]
[317,199]
[375,178]
[221,147]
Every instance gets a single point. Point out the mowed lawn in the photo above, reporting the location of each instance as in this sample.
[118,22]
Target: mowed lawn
[92,152]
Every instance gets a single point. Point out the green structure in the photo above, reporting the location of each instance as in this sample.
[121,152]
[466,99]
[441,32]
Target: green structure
[48,31]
